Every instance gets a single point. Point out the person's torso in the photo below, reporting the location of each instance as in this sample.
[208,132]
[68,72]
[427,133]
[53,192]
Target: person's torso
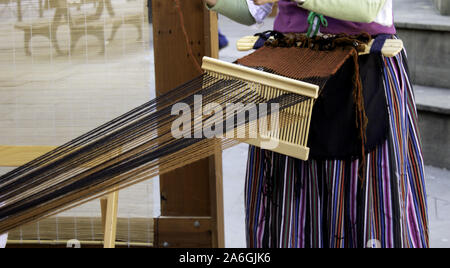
[293,19]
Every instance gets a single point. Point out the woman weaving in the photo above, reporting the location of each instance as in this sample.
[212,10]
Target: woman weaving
[324,202]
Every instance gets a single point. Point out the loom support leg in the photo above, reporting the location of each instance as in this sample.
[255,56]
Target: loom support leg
[184,32]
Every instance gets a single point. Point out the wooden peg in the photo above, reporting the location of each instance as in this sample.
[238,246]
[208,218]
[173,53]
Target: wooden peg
[247,43]
[391,48]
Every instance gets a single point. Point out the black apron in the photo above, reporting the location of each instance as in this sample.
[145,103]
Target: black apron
[334,134]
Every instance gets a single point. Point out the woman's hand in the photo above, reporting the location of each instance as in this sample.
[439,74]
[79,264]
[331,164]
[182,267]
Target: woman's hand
[211,3]
[262,2]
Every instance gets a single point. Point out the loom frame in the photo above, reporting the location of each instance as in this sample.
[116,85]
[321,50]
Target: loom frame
[203,179]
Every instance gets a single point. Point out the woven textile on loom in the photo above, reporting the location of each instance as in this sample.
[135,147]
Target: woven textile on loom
[139,144]
[347,112]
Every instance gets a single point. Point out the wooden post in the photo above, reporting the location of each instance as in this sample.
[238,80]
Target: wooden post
[195,190]
[109,205]
[217,206]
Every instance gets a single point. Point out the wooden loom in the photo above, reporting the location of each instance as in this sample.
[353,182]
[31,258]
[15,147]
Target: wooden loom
[296,97]
[202,179]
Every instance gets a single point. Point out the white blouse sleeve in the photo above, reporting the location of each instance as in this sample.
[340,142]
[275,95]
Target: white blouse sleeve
[385,16]
[259,13]
[349,10]
[3,239]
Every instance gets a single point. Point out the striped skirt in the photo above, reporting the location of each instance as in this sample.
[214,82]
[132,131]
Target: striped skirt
[325,204]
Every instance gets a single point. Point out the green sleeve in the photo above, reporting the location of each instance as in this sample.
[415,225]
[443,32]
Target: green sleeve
[236,10]
[350,10]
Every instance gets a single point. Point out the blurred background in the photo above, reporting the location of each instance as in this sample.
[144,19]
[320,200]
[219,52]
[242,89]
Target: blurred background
[66,68]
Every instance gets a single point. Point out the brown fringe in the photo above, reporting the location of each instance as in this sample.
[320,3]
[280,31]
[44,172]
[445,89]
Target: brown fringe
[361,117]
[323,43]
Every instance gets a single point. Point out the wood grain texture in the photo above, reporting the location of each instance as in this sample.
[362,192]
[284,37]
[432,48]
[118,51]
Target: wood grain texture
[186,232]
[188,191]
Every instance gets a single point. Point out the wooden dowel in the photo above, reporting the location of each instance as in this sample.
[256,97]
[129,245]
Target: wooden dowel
[109,216]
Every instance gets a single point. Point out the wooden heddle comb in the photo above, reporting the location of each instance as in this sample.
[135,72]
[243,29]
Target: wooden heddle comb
[291,137]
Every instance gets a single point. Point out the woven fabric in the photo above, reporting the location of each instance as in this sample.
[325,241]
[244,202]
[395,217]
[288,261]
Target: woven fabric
[298,63]
[346,120]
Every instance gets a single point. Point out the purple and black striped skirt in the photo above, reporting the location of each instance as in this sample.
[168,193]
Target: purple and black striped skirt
[325,203]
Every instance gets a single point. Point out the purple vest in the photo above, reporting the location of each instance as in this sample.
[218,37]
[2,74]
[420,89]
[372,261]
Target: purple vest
[292,19]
